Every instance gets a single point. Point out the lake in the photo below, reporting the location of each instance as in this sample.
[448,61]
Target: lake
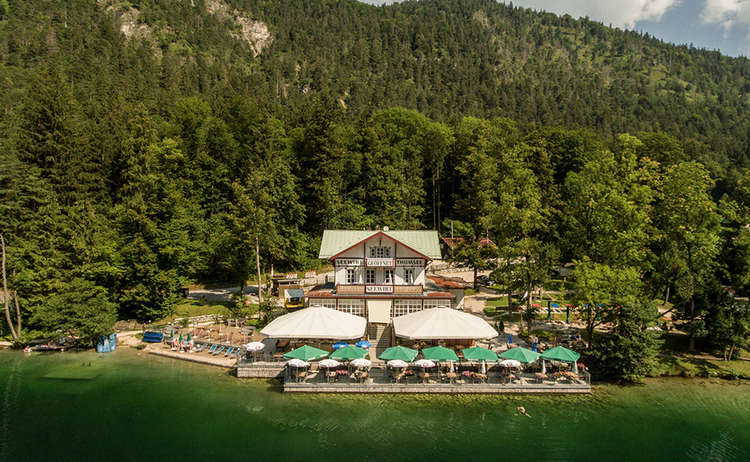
[130,406]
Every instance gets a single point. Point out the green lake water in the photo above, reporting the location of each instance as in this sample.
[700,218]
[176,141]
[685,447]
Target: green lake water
[131,406]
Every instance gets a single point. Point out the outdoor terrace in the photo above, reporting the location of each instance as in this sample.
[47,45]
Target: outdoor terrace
[383,380]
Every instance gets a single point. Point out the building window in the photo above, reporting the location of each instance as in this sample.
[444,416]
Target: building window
[325,302]
[437,304]
[380,251]
[409,276]
[352,306]
[370,276]
[406,306]
[388,276]
[351,277]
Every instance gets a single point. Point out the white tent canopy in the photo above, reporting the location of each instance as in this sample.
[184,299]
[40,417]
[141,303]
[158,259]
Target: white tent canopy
[442,323]
[317,322]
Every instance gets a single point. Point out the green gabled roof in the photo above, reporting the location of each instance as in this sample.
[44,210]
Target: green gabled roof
[337,240]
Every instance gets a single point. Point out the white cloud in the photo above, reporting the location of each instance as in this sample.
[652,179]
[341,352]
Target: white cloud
[729,14]
[619,13]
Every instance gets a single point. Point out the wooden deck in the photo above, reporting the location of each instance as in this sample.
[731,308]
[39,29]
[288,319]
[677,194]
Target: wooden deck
[161,349]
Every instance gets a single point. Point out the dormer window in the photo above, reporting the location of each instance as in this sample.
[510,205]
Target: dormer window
[380,251]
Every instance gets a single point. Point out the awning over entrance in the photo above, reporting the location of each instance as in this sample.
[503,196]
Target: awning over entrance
[316,322]
[442,323]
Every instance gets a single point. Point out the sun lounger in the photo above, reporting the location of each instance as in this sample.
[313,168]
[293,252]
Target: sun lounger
[221,348]
[229,352]
[201,347]
[213,348]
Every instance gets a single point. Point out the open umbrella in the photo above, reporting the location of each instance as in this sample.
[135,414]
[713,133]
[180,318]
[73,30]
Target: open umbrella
[361,362]
[439,353]
[364,344]
[348,352]
[328,363]
[338,345]
[255,346]
[510,363]
[397,363]
[424,363]
[561,354]
[479,354]
[554,305]
[399,352]
[520,354]
[306,353]
[297,363]
[536,305]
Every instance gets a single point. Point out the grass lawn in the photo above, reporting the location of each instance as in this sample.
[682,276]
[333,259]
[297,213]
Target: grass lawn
[676,359]
[496,302]
[188,308]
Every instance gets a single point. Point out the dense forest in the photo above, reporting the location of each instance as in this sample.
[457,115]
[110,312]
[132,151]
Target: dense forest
[148,144]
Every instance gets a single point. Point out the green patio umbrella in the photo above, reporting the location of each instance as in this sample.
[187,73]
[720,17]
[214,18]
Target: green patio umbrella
[349,352]
[561,354]
[171,334]
[189,338]
[306,353]
[399,352]
[180,339]
[521,354]
[479,354]
[439,353]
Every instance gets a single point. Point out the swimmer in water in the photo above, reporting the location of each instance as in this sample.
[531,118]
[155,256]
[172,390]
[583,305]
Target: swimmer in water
[522,411]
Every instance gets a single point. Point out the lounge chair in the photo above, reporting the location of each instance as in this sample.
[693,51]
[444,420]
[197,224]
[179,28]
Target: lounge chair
[201,347]
[221,348]
[236,353]
[229,352]
[213,348]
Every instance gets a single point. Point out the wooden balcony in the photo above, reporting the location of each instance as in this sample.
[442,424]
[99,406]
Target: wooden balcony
[350,289]
[361,289]
[408,290]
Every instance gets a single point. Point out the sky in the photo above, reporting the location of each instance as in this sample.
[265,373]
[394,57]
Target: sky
[722,25]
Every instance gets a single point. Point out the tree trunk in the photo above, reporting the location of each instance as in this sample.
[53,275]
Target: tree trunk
[590,335]
[257,268]
[18,312]
[666,296]
[530,321]
[6,297]
[475,278]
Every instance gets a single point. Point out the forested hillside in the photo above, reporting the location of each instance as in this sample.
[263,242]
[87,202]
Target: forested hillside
[150,143]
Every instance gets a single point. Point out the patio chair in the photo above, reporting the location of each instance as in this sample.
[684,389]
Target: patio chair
[217,352]
[229,352]
[213,348]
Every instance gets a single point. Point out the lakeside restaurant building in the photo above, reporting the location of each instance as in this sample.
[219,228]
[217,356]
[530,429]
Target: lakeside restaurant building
[380,275]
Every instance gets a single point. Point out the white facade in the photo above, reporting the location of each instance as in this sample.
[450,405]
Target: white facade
[379,261]
[379,277]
